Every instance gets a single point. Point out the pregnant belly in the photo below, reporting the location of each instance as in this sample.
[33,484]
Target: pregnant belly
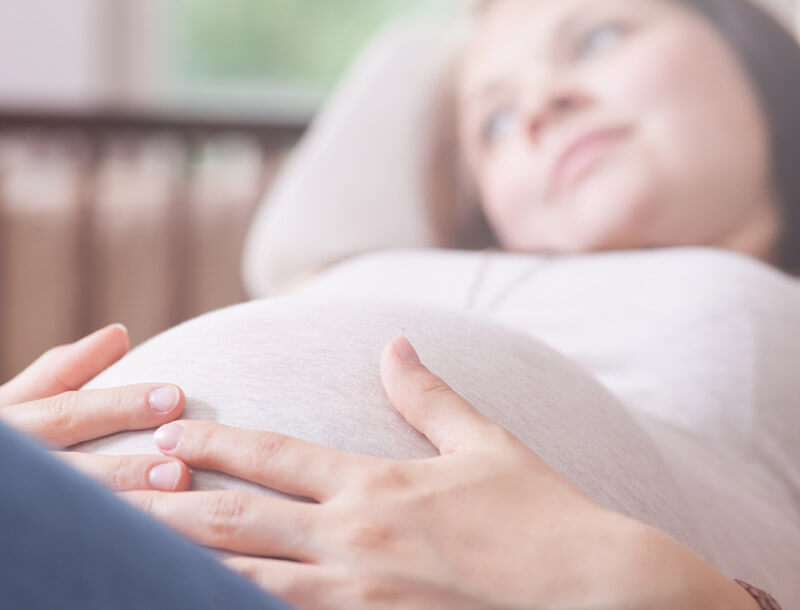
[309,368]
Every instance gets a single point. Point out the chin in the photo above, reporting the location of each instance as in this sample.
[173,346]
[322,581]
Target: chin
[613,208]
[611,212]
[572,234]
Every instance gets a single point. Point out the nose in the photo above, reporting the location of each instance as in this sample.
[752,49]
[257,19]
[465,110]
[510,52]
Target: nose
[553,107]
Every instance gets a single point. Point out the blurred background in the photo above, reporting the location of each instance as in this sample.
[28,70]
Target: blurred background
[136,140]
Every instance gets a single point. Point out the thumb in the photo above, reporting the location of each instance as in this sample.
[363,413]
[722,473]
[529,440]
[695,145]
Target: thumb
[429,404]
[67,367]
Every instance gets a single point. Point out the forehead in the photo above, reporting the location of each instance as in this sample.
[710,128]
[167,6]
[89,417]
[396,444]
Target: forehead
[510,31]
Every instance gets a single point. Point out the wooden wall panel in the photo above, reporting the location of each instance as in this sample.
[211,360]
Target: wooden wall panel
[40,250]
[122,218]
[133,266]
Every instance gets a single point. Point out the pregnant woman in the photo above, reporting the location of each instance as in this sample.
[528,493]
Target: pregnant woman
[644,462]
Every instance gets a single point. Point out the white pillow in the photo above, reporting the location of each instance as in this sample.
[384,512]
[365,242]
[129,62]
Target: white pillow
[355,181]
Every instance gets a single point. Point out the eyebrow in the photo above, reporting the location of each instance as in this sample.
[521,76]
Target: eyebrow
[485,91]
[565,26]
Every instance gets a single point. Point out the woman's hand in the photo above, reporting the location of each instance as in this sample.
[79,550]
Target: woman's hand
[487,524]
[43,401]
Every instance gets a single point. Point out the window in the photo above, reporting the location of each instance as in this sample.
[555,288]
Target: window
[274,52]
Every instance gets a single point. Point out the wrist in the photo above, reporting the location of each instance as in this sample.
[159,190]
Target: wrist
[679,578]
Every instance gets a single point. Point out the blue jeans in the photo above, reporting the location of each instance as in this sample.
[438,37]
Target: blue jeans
[67,543]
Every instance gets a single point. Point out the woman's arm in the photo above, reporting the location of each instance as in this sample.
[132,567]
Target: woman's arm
[486,524]
[44,401]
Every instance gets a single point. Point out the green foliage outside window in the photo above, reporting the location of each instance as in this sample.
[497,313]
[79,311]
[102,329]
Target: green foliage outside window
[303,43]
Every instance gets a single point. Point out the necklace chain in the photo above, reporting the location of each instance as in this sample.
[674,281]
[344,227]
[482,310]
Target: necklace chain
[502,294]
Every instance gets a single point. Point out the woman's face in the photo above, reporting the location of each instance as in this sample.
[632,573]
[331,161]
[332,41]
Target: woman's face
[592,124]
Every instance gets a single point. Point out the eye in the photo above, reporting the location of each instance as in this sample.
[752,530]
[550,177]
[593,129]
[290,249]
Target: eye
[600,38]
[497,125]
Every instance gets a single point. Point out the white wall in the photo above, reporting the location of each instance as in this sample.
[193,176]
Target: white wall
[80,53]
[51,52]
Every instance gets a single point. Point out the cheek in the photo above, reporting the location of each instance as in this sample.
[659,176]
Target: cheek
[701,124]
[686,86]
[656,80]
[507,187]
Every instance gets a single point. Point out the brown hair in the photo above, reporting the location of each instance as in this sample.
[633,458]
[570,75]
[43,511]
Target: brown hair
[455,209]
[771,57]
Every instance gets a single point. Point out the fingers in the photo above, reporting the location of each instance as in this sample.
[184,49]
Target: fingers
[430,405]
[236,521]
[302,585]
[131,472]
[67,367]
[273,460]
[74,417]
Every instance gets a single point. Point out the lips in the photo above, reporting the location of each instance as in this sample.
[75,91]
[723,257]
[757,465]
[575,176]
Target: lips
[581,156]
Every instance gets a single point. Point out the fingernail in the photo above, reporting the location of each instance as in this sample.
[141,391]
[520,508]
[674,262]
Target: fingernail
[164,399]
[164,476]
[122,327]
[167,437]
[405,351]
